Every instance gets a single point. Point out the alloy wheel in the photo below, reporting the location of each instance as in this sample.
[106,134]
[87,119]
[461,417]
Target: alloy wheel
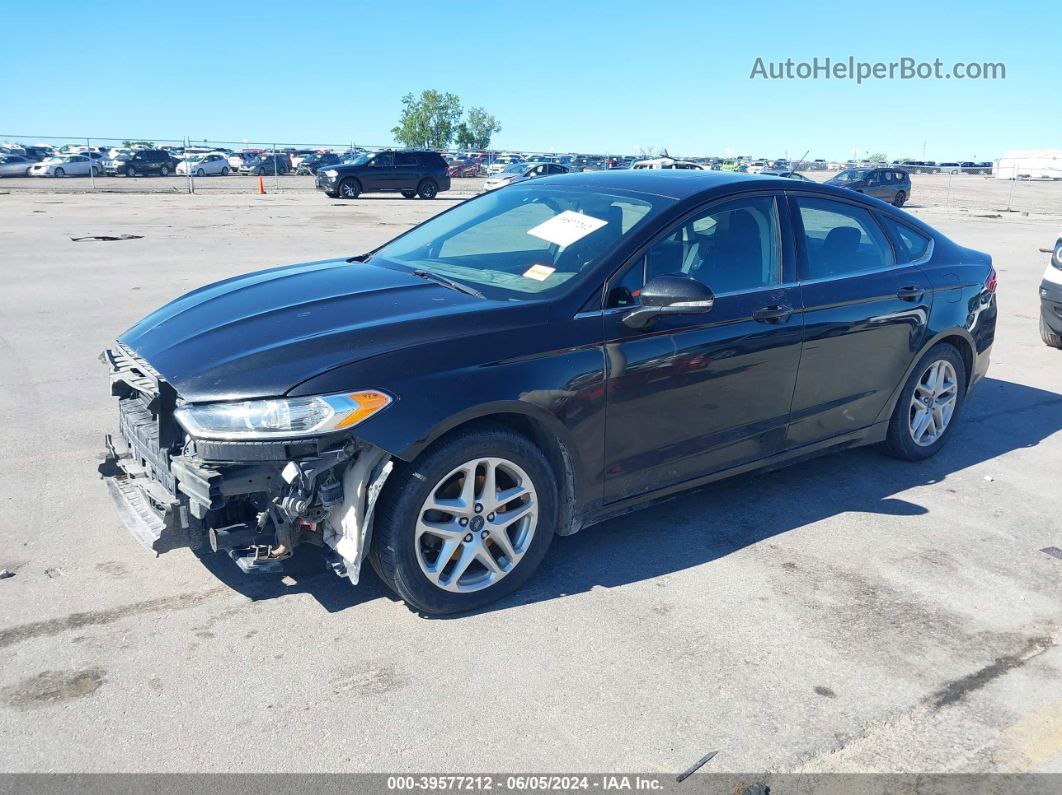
[933,403]
[476,525]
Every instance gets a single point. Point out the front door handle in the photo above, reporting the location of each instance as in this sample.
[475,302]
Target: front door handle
[776,313]
[911,292]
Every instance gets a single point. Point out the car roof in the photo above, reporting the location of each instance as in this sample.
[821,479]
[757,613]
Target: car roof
[677,183]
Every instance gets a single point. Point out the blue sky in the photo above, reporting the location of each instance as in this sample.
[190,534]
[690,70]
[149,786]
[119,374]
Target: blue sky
[565,76]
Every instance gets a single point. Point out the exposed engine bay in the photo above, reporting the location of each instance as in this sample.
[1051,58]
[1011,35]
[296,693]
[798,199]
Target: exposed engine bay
[255,500]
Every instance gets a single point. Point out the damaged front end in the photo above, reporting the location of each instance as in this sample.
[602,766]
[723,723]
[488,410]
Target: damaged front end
[256,500]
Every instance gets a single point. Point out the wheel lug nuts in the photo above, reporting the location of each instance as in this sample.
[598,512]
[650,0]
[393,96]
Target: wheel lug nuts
[468,538]
[490,517]
[463,521]
[479,508]
[484,534]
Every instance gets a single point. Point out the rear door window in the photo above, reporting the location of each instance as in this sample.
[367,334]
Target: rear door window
[406,160]
[911,244]
[841,240]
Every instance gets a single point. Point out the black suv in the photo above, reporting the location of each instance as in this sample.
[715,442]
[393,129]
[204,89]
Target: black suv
[313,162]
[412,173]
[262,165]
[892,185]
[145,161]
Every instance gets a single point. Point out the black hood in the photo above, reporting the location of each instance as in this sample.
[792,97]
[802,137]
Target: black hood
[261,334]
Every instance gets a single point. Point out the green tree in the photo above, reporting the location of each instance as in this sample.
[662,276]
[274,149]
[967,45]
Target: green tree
[480,126]
[145,144]
[463,137]
[428,120]
[876,156]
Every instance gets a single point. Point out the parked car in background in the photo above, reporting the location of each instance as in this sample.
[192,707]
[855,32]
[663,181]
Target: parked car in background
[1051,299]
[309,164]
[264,164]
[787,174]
[214,164]
[758,167]
[70,165]
[460,167]
[950,168]
[667,163]
[428,383]
[15,165]
[521,172]
[298,156]
[38,153]
[142,162]
[409,171]
[888,184]
[502,162]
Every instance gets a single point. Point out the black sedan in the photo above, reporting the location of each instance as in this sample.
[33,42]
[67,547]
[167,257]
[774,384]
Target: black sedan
[535,360]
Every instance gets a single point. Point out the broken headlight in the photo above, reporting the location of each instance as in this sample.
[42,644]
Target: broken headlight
[281,417]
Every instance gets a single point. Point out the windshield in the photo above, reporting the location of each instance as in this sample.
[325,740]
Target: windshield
[850,175]
[525,241]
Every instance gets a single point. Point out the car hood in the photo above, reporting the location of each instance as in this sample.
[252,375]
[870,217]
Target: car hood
[263,333]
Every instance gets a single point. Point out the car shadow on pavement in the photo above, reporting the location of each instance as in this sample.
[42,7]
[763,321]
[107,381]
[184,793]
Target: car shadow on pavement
[700,526]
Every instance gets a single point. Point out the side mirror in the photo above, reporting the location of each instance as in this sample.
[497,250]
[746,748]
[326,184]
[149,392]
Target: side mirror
[672,294]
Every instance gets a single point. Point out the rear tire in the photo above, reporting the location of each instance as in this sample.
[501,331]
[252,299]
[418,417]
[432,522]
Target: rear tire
[130,171]
[349,188]
[409,194]
[899,199]
[403,557]
[1048,336]
[914,430]
[164,171]
[428,189]
[59,173]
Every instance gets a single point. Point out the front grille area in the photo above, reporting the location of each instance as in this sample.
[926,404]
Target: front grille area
[140,429]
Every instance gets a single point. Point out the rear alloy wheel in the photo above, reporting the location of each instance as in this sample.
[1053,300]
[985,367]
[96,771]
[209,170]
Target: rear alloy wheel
[1048,336]
[428,189]
[466,523]
[409,194]
[899,199]
[928,406]
[349,188]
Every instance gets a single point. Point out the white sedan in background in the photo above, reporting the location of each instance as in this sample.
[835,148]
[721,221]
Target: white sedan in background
[213,164]
[15,165]
[65,166]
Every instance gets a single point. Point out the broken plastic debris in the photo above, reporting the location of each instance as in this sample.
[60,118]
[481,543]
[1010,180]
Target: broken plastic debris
[989,478]
[107,237]
[5,573]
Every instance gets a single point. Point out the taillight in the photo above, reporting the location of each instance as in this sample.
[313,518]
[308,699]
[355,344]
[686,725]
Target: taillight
[990,282]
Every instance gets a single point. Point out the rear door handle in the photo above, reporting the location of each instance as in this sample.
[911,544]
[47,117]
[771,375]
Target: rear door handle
[911,292]
[776,313]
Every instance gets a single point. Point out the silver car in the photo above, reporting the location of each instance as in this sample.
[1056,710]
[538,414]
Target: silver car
[521,172]
[15,165]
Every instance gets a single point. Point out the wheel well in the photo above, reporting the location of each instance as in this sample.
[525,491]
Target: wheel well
[962,345]
[555,451]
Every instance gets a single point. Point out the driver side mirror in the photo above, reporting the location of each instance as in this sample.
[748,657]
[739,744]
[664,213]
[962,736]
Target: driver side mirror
[672,294]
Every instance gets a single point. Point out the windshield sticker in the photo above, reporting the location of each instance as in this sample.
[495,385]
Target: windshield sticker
[565,228]
[539,272]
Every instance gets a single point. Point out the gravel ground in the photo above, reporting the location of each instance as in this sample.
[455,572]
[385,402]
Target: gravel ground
[853,613]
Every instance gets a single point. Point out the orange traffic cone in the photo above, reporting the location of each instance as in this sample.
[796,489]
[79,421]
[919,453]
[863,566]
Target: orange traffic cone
[261,185]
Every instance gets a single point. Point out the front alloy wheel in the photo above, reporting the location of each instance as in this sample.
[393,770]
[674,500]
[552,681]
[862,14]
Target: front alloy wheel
[476,525]
[467,522]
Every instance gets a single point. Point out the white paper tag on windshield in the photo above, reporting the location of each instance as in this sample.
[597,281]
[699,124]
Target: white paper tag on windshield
[539,272]
[566,228]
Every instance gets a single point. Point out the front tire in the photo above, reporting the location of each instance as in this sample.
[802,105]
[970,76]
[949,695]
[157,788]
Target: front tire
[130,171]
[428,189]
[59,173]
[164,171]
[929,405]
[467,522]
[1048,335]
[349,188]
[198,173]
[224,171]
[409,194]
[899,199]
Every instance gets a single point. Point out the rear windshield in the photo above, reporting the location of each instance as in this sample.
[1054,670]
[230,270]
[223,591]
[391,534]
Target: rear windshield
[524,241]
